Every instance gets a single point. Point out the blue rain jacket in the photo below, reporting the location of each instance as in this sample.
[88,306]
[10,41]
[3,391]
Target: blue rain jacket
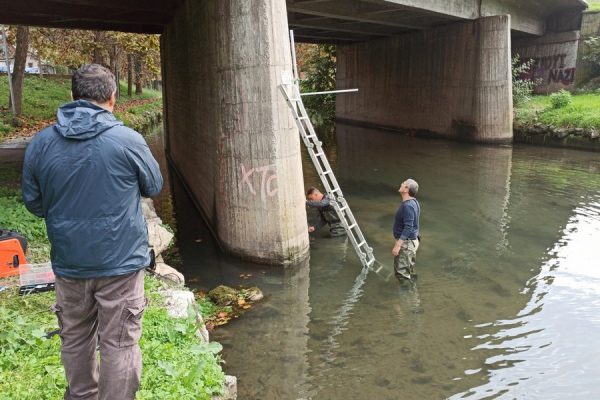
[85,175]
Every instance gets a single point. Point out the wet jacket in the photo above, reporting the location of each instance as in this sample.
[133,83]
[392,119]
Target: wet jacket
[85,175]
[406,221]
[326,212]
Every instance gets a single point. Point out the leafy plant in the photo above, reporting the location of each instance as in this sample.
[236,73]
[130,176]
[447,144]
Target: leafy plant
[561,99]
[317,64]
[522,86]
[177,365]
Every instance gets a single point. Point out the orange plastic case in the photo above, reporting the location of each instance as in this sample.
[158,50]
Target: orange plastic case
[11,256]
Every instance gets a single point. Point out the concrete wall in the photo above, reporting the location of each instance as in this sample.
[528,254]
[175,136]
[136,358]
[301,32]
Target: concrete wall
[453,81]
[229,132]
[590,26]
[555,59]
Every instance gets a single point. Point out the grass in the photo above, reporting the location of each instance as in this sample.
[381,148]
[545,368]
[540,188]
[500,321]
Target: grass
[583,112]
[176,364]
[42,96]
[593,5]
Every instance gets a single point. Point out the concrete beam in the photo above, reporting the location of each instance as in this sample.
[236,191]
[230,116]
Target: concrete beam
[351,10]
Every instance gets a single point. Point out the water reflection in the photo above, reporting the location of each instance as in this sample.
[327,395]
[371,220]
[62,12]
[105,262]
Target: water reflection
[550,349]
[474,323]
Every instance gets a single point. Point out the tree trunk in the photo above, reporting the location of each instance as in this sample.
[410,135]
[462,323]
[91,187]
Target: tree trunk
[98,57]
[18,74]
[129,74]
[138,74]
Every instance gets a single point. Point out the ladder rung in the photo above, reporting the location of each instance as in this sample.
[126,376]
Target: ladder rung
[327,172]
[343,208]
[302,117]
[319,154]
[352,226]
[361,243]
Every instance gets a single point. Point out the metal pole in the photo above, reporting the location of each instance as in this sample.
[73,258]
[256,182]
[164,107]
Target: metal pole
[8,72]
[329,92]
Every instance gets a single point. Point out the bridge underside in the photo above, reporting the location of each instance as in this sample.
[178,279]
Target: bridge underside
[432,66]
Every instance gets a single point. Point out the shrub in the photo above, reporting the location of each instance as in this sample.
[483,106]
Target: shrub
[522,86]
[561,99]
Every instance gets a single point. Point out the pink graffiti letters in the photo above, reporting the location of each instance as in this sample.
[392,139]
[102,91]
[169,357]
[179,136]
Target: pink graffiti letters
[267,176]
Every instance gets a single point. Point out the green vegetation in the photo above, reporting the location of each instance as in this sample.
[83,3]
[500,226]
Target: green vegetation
[581,112]
[522,87]
[317,64]
[177,365]
[42,96]
[593,5]
[561,99]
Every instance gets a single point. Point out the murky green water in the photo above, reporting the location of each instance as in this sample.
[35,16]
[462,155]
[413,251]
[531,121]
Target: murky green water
[508,291]
[506,301]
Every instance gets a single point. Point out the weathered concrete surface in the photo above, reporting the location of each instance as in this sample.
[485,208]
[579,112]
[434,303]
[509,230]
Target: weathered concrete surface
[229,131]
[453,81]
[343,21]
[590,26]
[555,59]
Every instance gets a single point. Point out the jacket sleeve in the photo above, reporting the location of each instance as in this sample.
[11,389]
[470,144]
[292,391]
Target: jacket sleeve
[30,187]
[149,177]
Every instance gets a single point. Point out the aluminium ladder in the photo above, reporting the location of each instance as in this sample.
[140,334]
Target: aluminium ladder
[291,92]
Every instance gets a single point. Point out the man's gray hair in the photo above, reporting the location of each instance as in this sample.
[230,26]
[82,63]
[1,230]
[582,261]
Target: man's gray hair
[413,187]
[93,82]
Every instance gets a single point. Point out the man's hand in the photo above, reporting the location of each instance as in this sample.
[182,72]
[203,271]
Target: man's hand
[397,247]
[311,229]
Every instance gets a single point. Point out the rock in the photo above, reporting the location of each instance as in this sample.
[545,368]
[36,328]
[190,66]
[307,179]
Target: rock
[223,295]
[159,237]
[594,134]
[229,389]
[561,133]
[167,272]
[178,302]
[253,294]
[578,131]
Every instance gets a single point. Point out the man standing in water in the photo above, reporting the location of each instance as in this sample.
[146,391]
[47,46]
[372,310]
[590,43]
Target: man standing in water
[327,213]
[85,176]
[406,230]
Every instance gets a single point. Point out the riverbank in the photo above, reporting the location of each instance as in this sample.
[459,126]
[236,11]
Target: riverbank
[574,125]
[42,96]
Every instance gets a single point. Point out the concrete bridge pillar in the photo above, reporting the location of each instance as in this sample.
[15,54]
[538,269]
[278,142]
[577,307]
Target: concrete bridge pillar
[229,132]
[452,81]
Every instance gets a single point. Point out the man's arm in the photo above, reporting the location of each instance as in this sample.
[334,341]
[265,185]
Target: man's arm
[30,187]
[148,171]
[319,205]
[401,233]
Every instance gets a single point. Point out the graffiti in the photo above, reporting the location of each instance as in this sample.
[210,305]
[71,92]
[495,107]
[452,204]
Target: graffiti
[267,176]
[565,76]
[551,69]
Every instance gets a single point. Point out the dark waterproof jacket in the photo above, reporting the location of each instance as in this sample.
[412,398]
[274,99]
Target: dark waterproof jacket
[85,175]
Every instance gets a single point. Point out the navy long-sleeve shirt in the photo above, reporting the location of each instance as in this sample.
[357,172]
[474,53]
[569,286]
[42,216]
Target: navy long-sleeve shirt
[406,222]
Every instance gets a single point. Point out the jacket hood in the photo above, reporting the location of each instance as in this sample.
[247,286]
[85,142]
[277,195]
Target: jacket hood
[81,119]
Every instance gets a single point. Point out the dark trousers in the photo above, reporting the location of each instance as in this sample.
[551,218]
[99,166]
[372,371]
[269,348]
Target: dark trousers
[105,312]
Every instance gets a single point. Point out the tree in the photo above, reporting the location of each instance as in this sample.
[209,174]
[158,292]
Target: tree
[317,68]
[19,38]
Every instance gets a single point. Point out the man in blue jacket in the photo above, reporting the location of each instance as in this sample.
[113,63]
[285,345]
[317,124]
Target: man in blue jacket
[85,176]
[406,230]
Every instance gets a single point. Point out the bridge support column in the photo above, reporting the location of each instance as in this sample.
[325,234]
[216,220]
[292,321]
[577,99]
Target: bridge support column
[452,81]
[229,132]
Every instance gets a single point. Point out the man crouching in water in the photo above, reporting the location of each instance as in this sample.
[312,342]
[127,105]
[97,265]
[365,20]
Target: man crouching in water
[328,215]
[406,230]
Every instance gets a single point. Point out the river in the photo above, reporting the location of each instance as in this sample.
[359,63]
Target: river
[506,300]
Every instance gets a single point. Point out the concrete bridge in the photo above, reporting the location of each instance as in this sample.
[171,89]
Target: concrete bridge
[436,67]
